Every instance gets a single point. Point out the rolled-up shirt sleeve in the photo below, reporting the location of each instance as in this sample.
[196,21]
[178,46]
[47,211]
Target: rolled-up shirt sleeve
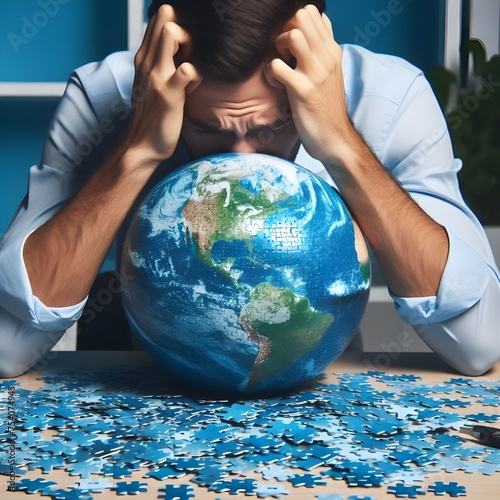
[463,283]
[461,323]
[17,296]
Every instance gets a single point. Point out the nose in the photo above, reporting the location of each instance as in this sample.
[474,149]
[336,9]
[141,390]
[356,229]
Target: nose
[243,145]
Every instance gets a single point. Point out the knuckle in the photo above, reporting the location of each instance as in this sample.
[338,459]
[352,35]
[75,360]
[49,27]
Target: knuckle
[311,8]
[166,11]
[302,14]
[295,35]
[169,28]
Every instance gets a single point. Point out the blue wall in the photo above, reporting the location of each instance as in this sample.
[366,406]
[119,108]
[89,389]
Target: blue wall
[43,40]
[412,29]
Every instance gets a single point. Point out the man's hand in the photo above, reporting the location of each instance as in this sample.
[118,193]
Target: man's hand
[160,87]
[313,78]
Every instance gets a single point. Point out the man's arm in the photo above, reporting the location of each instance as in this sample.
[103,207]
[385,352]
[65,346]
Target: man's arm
[64,255]
[66,228]
[403,237]
[412,247]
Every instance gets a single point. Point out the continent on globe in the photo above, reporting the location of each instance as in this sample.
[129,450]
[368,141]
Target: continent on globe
[223,209]
[284,326]
[244,273]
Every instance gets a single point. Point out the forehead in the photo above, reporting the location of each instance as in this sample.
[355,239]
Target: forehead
[255,96]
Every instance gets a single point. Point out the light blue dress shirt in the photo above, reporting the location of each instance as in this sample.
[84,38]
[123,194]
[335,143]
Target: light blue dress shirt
[392,106]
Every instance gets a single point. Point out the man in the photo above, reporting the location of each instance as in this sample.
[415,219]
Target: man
[258,76]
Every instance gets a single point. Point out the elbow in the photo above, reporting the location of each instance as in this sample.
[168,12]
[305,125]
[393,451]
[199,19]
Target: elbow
[475,366]
[22,346]
[11,368]
[470,351]
[469,342]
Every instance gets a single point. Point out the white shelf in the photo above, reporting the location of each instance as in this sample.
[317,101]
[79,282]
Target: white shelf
[136,25]
[32,89]
[452,40]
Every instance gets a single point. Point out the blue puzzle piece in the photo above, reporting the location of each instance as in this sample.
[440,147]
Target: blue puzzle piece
[132,488]
[165,472]
[307,480]
[405,491]
[181,492]
[235,486]
[453,489]
[61,494]
[34,485]
[270,490]
[117,471]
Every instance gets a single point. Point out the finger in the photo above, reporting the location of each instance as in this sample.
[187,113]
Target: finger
[279,71]
[282,48]
[328,24]
[186,78]
[294,42]
[271,79]
[172,37]
[165,14]
[141,52]
[309,23]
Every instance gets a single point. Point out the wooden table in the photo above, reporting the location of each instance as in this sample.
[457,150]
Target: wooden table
[427,366]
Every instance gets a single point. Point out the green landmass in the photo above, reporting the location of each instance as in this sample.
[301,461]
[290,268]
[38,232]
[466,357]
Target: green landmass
[284,325]
[226,215]
[365,269]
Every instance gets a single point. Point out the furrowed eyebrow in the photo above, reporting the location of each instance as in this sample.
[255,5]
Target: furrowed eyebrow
[206,126]
[279,123]
[215,127]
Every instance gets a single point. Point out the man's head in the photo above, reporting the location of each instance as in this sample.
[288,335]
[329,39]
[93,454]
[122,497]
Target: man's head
[232,39]
[235,109]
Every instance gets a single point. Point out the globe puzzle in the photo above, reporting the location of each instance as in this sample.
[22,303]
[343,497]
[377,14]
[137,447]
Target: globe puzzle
[244,273]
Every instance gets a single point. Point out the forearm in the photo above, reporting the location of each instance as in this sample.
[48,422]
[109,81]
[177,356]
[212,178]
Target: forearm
[410,246]
[64,255]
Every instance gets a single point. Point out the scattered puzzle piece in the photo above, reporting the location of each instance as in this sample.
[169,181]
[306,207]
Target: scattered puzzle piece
[247,486]
[34,485]
[132,488]
[405,491]
[181,492]
[113,423]
[453,489]
[271,490]
[307,480]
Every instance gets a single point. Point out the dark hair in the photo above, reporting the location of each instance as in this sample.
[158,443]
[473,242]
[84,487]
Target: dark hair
[233,38]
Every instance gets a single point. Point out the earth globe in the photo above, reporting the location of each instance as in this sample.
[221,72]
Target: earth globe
[244,274]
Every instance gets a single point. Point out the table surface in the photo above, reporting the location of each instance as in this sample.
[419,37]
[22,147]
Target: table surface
[425,365]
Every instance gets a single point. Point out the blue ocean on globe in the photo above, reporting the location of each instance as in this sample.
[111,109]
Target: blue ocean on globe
[244,273]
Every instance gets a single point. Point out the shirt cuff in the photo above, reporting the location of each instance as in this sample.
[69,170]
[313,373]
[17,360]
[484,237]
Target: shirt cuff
[463,283]
[17,296]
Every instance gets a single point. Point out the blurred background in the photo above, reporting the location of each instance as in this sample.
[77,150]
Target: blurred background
[42,41]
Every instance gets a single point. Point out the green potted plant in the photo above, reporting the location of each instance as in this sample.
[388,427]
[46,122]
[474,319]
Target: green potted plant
[473,116]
